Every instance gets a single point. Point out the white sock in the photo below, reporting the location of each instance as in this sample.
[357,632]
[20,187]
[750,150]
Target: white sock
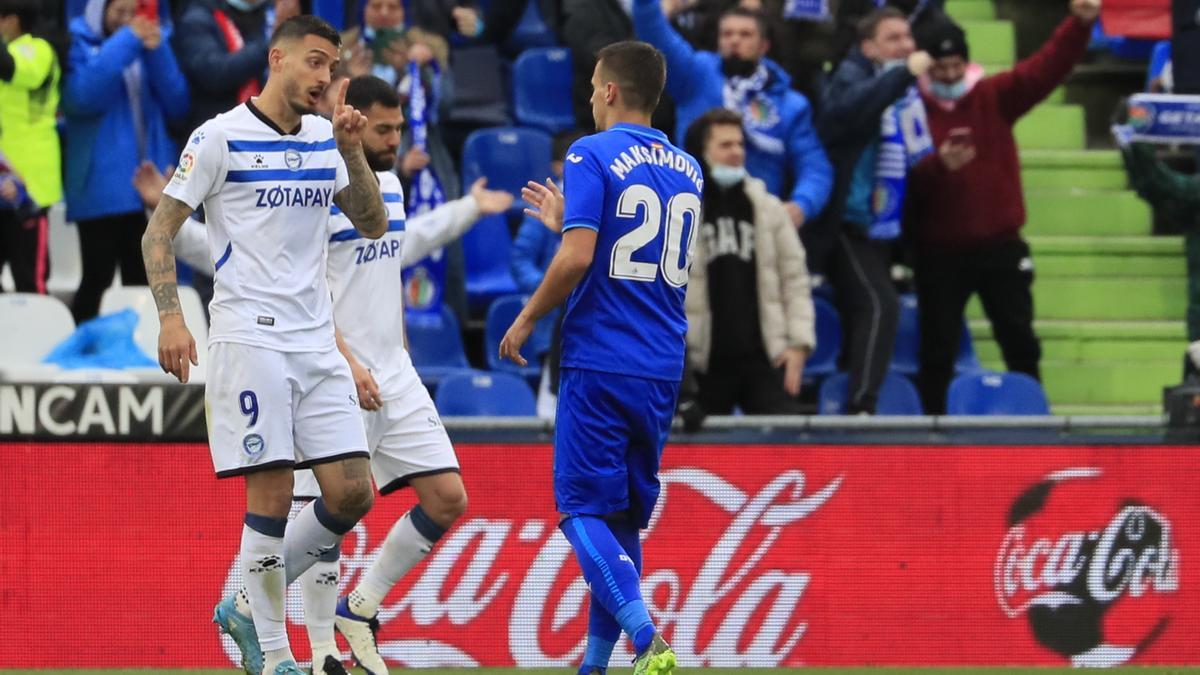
[319,588]
[274,657]
[309,537]
[263,570]
[403,548]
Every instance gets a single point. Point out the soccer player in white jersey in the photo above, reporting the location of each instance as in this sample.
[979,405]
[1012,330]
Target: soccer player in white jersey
[279,395]
[404,432]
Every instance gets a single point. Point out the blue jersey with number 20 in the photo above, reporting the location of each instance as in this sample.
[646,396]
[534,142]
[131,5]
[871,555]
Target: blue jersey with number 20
[642,196]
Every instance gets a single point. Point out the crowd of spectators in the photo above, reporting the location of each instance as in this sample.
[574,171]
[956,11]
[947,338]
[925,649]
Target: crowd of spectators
[833,147]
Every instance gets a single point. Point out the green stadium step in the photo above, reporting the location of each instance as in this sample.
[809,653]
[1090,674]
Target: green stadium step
[1113,299]
[1108,410]
[1126,383]
[1099,362]
[1080,212]
[1066,158]
[971,10]
[1052,127]
[1057,97]
[992,42]
[1072,169]
[1066,179]
[1112,257]
[1162,341]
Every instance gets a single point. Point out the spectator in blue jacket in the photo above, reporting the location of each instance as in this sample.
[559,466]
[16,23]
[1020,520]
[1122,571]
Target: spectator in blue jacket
[782,148]
[123,87]
[873,123]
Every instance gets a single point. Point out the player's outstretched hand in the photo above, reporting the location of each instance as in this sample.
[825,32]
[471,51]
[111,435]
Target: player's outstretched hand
[348,123]
[547,202]
[514,339]
[368,390]
[490,202]
[176,348]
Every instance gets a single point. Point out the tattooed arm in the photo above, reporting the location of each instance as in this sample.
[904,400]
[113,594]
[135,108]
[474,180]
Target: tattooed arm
[361,201]
[176,348]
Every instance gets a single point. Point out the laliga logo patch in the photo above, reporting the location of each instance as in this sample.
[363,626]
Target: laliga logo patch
[254,445]
[1068,579]
[187,161]
[1141,116]
[293,159]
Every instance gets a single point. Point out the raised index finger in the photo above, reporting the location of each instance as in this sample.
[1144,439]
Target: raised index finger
[341,97]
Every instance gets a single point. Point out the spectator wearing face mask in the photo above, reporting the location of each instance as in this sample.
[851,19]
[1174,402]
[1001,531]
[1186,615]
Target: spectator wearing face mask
[968,208]
[871,123]
[749,309]
[222,48]
[782,148]
[384,44]
[123,88]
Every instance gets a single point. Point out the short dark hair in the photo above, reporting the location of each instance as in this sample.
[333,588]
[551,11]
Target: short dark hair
[367,90]
[26,11]
[638,69]
[760,19]
[869,24]
[303,25]
[698,133]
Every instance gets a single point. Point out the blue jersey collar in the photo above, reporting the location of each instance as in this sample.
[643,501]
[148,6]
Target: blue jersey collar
[640,130]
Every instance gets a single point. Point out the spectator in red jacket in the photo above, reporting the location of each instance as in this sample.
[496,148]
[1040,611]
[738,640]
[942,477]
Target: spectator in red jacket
[966,209]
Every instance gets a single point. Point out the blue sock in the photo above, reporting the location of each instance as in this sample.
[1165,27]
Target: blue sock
[613,581]
[603,633]
[603,629]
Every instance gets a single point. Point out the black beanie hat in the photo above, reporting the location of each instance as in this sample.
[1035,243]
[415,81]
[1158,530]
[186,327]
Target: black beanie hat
[943,38]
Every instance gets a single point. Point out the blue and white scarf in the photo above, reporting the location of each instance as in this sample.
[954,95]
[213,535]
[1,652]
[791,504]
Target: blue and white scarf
[1167,119]
[424,280]
[904,140]
[745,96]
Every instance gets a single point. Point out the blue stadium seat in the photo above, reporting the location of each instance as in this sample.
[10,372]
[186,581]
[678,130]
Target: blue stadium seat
[897,396]
[531,31]
[478,394]
[986,393]
[908,338]
[906,353]
[968,360]
[486,250]
[823,361]
[435,343]
[500,316]
[508,156]
[542,90]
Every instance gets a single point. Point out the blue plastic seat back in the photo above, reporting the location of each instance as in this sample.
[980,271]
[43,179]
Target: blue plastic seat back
[477,394]
[985,393]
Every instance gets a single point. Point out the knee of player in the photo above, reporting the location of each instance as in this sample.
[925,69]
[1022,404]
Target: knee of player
[356,501]
[452,504]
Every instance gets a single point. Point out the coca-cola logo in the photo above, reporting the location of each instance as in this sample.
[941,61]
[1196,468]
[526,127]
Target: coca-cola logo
[1065,581]
[739,609]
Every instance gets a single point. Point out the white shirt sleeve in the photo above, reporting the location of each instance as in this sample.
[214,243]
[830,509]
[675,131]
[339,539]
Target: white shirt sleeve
[342,179]
[191,246]
[428,232]
[202,167]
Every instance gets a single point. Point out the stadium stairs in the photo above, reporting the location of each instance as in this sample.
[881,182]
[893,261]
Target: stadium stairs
[1109,297]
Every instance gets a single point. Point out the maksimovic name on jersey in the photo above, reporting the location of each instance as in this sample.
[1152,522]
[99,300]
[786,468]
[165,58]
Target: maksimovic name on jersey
[283,195]
[658,155]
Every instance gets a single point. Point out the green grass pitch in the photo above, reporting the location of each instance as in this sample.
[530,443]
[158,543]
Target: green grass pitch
[679,671]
